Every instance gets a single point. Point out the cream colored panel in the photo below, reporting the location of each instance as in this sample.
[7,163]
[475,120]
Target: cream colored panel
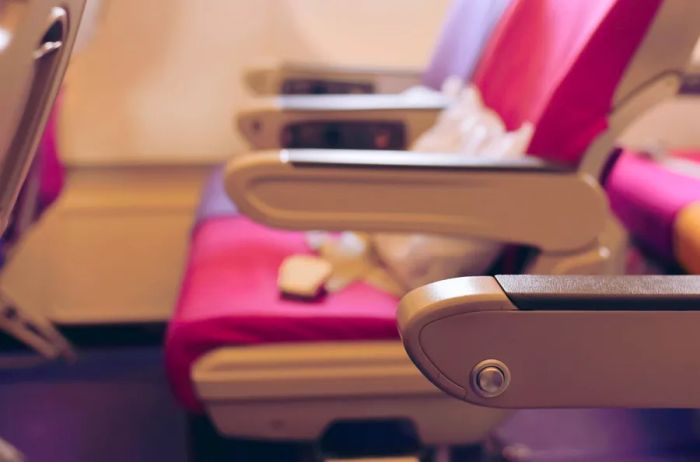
[112,249]
[294,392]
[393,33]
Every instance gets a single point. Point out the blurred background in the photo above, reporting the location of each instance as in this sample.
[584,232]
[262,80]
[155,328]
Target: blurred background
[146,112]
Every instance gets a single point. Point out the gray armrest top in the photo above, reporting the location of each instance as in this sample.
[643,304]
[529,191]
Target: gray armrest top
[374,102]
[412,159]
[649,293]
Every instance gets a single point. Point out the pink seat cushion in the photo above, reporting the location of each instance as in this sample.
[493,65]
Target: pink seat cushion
[229,296]
[647,197]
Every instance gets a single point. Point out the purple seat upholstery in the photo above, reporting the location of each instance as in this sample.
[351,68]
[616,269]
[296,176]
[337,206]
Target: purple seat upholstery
[215,202]
[209,298]
[464,34]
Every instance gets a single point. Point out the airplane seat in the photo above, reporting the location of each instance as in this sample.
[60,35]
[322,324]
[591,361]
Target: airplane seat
[35,45]
[657,201]
[51,169]
[456,54]
[217,221]
[266,366]
[562,135]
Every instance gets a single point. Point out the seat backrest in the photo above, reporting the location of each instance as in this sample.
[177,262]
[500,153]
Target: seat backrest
[465,32]
[35,41]
[51,169]
[560,64]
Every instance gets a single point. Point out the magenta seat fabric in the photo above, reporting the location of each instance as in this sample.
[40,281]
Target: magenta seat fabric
[51,170]
[647,198]
[557,64]
[551,62]
[229,296]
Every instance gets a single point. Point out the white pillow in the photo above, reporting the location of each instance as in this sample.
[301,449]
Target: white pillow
[466,128]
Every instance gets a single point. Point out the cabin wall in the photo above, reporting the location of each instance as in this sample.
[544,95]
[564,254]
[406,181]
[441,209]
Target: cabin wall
[160,80]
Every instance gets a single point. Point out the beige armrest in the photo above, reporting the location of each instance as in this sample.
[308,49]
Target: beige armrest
[529,341]
[320,78]
[263,123]
[524,202]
